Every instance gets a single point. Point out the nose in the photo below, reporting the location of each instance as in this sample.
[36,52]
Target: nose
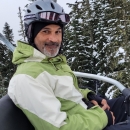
[53,38]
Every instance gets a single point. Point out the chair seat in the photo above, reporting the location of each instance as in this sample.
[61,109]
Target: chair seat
[11,117]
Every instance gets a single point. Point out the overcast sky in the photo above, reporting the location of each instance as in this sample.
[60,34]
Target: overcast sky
[9,13]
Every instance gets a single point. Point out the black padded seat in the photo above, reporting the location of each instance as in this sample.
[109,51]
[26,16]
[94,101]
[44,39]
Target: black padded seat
[11,117]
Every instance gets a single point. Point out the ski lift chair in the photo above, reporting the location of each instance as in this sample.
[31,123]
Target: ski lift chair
[12,118]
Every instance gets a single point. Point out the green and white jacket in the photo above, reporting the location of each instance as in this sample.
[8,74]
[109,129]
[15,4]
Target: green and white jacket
[46,90]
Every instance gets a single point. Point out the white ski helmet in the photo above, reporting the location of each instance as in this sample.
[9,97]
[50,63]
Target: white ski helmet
[43,11]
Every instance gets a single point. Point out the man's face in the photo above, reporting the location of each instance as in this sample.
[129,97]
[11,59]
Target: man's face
[49,39]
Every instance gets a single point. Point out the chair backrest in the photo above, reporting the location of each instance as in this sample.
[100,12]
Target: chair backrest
[11,117]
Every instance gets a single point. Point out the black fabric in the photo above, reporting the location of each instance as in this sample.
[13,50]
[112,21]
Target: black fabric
[92,96]
[109,116]
[117,106]
[12,118]
[118,127]
[37,27]
[88,103]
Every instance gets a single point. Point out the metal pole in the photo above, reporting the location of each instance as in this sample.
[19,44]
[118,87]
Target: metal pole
[106,79]
[6,42]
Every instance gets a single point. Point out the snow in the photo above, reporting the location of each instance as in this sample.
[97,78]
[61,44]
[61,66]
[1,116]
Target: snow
[73,58]
[95,53]
[121,61]
[109,94]
[2,42]
[119,52]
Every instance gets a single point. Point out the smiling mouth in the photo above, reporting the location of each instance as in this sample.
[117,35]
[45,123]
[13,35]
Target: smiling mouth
[52,44]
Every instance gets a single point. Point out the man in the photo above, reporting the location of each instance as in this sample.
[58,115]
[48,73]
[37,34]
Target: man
[44,87]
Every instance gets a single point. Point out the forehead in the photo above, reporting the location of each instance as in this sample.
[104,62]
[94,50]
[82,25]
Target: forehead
[52,27]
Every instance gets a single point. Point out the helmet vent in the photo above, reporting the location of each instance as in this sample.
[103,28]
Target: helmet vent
[29,11]
[52,5]
[38,7]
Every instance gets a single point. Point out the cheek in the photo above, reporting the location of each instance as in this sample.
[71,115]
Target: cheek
[38,42]
[60,39]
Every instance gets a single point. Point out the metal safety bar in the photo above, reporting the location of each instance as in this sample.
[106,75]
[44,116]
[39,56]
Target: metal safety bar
[103,78]
[6,42]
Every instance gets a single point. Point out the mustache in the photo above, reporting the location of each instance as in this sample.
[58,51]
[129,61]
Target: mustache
[51,44]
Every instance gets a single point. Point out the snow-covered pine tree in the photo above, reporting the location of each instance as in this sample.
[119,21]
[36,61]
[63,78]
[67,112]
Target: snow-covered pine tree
[3,89]
[95,27]
[21,31]
[100,36]
[6,67]
[8,33]
[118,24]
[3,56]
[126,24]
[78,43]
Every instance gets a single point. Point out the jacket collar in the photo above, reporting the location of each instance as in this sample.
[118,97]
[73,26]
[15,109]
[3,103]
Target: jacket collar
[26,53]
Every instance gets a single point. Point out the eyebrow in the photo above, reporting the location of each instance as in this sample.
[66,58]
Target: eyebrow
[50,29]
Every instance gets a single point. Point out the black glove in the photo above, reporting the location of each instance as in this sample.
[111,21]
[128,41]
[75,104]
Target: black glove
[88,103]
[92,96]
[108,113]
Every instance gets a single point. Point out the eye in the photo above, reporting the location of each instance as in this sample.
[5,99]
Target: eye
[59,31]
[45,31]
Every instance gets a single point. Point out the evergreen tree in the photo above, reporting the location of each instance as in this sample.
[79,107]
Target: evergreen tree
[6,67]
[118,15]
[3,56]
[101,40]
[94,40]
[8,32]
[22,30]
[80,44]
[2,87]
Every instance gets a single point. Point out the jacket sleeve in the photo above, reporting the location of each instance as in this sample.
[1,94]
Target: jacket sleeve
[42,108]
[90,95]
[85,92]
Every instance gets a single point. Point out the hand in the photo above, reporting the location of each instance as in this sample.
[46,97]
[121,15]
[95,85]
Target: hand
[94,102]
[105,105]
